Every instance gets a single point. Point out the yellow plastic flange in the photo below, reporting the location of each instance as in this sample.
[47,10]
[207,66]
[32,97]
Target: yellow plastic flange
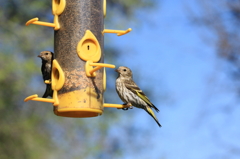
[58,77]
[104,8]
[88,48]
[55,97]
[58,6]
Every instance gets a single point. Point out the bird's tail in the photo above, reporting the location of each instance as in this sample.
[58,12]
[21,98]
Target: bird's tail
[48,91]
[157,110]
[150,112]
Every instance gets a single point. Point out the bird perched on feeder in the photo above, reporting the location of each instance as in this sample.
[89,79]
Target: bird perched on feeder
[47,58]
[131,94]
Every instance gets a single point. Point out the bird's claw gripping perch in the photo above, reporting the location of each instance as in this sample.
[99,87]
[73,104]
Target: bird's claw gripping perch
[128,106]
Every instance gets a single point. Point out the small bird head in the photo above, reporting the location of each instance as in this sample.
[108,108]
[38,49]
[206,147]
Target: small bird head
[124,71]
[46,55]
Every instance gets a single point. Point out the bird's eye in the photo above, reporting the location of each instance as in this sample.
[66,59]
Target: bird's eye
[46,53]
[124,70]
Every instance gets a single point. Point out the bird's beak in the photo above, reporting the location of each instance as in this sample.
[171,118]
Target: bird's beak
[39,56]
[116,70]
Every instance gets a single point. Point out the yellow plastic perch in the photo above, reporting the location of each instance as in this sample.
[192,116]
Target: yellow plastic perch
[91,71]
[118,32]
[119,106]
[58,7]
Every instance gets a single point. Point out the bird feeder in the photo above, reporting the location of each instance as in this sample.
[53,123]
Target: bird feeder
[78,77]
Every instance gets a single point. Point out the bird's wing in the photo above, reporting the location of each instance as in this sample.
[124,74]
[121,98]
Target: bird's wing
[43,71]
[131,85]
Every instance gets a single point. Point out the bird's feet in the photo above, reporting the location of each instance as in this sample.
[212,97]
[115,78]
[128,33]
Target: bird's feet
[129,106]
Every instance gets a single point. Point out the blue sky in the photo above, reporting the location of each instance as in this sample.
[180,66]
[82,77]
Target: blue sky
[172,58]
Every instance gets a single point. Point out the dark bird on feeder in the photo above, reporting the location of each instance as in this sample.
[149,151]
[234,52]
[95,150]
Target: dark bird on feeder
[47,58]
[131,94]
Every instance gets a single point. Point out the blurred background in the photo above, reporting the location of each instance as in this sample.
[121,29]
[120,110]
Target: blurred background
[184,56]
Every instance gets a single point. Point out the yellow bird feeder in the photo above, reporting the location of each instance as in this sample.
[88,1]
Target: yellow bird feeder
[78,77]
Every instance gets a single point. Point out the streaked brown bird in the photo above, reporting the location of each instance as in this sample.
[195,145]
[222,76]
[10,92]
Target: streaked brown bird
[131,94]
[47,58]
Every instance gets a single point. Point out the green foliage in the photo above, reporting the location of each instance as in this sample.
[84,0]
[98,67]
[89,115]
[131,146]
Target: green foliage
[31,130]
